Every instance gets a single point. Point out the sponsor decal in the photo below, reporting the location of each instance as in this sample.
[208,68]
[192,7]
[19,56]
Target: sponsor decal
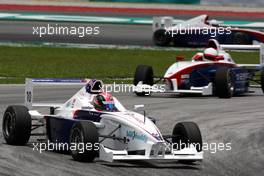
[73,102]
[70,104]
[241,76]
[136,136]
[94,114]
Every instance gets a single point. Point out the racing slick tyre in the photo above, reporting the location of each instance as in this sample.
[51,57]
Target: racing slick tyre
[241,39]
[262,79]
[143,73]
[184,134]
[84,133]
[16,125]
[224,83]
[160,38]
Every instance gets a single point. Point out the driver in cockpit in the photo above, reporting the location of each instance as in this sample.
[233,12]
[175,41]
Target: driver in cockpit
[104,102]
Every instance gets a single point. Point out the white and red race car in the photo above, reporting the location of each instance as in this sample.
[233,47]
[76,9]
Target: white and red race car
[198,30]
[114,134]
[219,75]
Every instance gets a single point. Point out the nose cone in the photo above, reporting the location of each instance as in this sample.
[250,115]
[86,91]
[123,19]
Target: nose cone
[146,126]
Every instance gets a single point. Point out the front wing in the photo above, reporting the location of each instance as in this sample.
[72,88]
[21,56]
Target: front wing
[110,155]
[206,90]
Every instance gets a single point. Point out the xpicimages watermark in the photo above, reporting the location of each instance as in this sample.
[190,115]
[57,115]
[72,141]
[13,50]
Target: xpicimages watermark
[59,146]
[212,147]
[130,88]
[196,30]
[79,31]
[82,147]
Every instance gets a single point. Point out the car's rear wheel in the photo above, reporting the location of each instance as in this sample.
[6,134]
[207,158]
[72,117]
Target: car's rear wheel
[16,125]
[224,83]
[241,38]
[83,134]
[184,134]
[144,73]
[160,38]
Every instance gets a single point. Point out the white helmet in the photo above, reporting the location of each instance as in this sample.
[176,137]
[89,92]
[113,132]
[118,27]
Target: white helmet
[210,54]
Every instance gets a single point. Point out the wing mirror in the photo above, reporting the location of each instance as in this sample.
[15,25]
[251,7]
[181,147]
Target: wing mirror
[139,107]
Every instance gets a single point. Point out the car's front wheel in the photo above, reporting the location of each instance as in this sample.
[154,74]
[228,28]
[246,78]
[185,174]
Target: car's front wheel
[184,134]
[84,141]
[144,73]
[224,83]
[16,125]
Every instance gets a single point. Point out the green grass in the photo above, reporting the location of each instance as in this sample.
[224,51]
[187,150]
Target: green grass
[17,63]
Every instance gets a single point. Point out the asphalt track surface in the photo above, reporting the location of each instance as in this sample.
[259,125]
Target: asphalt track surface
[239,121]
[18,31]
[22,31]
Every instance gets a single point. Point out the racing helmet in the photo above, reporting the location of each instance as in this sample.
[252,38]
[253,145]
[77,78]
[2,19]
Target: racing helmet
[213,43]
[94,86]
[210,54]
[104,102]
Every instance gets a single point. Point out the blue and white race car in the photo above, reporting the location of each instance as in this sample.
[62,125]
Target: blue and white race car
[198,30]
[212,72]
[98,121]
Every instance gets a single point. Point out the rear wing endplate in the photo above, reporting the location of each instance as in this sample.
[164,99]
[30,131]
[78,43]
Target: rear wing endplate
[31,82]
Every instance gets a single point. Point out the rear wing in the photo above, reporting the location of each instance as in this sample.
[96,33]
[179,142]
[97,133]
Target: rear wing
[31,82]
[259,48]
